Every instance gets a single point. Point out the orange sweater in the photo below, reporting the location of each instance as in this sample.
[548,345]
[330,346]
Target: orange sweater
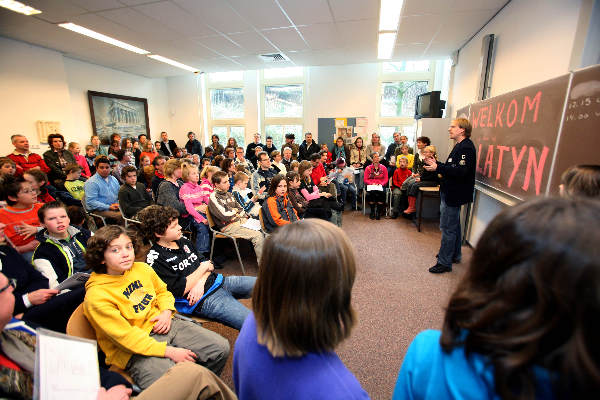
[13,217]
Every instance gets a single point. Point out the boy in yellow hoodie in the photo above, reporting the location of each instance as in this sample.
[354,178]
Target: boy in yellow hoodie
[131,310]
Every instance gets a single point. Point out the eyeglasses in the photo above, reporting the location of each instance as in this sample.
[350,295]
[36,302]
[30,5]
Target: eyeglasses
[11,282]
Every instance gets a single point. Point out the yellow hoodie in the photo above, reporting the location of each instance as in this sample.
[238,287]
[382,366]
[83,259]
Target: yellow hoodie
[120,307]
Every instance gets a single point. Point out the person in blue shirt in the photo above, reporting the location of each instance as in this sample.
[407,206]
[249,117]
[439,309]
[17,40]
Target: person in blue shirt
[101,192]
[520,324]
[302,311]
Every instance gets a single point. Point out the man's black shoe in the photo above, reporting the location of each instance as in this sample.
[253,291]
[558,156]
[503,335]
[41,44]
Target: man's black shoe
[439,269]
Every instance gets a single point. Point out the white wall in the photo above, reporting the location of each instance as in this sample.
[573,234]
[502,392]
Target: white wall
[185,107]
[40,84]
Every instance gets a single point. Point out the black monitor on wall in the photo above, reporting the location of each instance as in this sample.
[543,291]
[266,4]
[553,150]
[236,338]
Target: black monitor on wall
[429,105]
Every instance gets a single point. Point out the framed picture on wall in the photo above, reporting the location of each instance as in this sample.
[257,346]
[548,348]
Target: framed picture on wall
[113,113]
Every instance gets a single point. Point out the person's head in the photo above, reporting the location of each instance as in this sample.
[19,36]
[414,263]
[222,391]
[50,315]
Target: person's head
[276,156]
[340,163]
[53,216]
[324,147]
[240,180]
[294,165]
[122,156]
[142,138]
[396,136]
[196,159]
[159,164]
[305,169]
[315,159]
[76,215]
[289,138]
[7,298]
[115,145]
[375,139]
[136,145]
[403,139]
[257,150]
[269,141]
[157,145]
[21,143]
[423,141]
[208,172]
[18,192]
[228,166]
[191,136]
[404,149]
[358,142]
[278,186]
[459,129]
[178,153]
[323,154]
[263,160]
[287,153]
[115,137]
[144,161]
[581,181]
[239,153]
[293,180]
[164,136]
[148,147]
[173,169]
[102,165]
[375,157]
[7,166]
[308,137]
[215,139]
[129,175]
[189,172]
[528,295]
[429,151]
[73,171]
[229,152]
[36,177]
[257,137]
[56,141]
[160,223]
[220,181]
[402,162]
[111,250]
[90,151]
[95,141]
[339,142]
[126,143]
[205,163]
[231,142]
[302,297]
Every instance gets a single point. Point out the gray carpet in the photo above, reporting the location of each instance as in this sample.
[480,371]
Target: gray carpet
[394,296]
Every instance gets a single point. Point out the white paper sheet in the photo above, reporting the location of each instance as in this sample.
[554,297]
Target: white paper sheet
[252,223]
[374,187]
[75,280]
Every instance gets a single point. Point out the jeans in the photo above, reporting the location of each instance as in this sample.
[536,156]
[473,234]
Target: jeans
[451,238]
[344,188]
[202,236]
[223,306]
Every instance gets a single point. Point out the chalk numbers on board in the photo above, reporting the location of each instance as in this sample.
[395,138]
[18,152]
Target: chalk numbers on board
[585,113]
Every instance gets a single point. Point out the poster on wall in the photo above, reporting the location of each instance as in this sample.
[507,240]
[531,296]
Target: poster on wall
[113,113]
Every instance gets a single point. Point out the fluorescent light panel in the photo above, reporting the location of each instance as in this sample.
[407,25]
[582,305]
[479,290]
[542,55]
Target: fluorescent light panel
[99,36]
[385,45]
[389,14]
[173,63]
[19,7]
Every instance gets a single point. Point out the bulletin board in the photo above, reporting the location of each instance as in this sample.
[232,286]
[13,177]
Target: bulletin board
[347,127]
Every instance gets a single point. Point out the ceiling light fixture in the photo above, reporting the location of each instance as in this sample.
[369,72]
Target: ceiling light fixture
[99,36]
[19,7]
[173,63]
[389,14]
[385,45]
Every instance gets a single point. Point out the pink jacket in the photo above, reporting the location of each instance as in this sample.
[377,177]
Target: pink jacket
[192,196]
[376,179]
[83,164]
[311,196]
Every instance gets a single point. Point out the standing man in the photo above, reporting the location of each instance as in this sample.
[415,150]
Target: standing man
[24,160]
[168,146]
[308,147]
[250,152]
[289,142]
[269,147]
[456,189]
[193,146]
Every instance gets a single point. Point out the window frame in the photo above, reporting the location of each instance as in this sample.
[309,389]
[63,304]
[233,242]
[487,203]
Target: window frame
[224,122]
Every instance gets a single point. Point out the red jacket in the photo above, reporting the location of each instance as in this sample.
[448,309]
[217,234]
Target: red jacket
[400,176]
[318,173]
[32,161]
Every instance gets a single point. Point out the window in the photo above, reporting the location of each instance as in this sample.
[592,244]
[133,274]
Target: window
[387,133]
[278,133]
[227,103]
[225,132]
[406,66]
[398,99]
[283,101]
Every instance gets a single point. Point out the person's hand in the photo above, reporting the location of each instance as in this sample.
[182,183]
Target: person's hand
[196,293]
[431,164]
[178,354]
[113,207]
[163,322]
[205,222]
[202,208]
[417,179]
[207,265]
[324,180]
[326,194]
[25,230]
[119,392]
[262,189]
[41,296]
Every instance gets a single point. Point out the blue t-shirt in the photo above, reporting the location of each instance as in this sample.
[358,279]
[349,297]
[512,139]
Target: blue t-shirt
[430,373]
[258,375]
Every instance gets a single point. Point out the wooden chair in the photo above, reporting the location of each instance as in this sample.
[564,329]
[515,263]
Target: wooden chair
[79,326]
[432,192]
[262,222]
[221,235]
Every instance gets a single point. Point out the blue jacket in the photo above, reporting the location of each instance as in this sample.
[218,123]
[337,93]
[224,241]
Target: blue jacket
[100,193]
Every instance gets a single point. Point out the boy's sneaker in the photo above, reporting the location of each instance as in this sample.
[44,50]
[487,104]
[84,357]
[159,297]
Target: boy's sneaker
[439,269]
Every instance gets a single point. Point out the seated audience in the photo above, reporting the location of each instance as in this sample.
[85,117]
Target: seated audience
[20,215]
[325,149]
[189,276]
[149,151]
[62,246]
[269,147]
[57,158]
[409,157]
[244,196]
[133,195]
[581,181]
[73,183]
[302,312]
[75,149]
[263,175]
[294,165]
[399,199]
[376,147]
[318,206]
[123,158]
[241,160]
[228,216]
[178,153]
[136,152]
[423,179]
[287,157]
[289,142]
[277,165]
[217,160]
[340,150]
[131,311]
[308,147]
[24,160]
[278,209]
[376,174]
[78,218]
[215,146]
[193,146]
[228,166]
[208,154]
[102,192]
[159,168]
[90,156]
[229,152]
[231,143]
[358,158]
[254,158]
[251,148]
[344,176]
[7,167]
[168,146]
[99,149]
[518,324]
[39,182]
[195,200]
[298,201]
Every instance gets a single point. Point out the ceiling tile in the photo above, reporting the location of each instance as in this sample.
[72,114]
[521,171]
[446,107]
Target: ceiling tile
[350,10]
[94,5]
[307,12]
[55,10]
[470,5]
[285,39]
[262,14]
[221,45]
[419,28]
[175,18]
[216,13]
[359,33]
[252,42]
[424,7]
[138,22]
[322,36]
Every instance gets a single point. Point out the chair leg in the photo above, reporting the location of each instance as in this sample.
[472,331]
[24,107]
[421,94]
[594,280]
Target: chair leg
[364,200]
[239,257]
[212,246]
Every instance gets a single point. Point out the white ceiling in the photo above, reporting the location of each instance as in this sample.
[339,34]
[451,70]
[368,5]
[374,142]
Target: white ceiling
[225,35]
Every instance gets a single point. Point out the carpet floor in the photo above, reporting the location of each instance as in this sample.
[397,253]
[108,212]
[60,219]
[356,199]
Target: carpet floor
[394,296]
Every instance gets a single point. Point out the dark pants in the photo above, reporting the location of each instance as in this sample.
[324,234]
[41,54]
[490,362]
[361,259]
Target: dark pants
[451,238]
[55,313]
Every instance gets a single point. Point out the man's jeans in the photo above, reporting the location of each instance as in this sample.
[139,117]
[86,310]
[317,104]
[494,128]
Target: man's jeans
[202,236]
[344,189]
[223,305]
[451,238]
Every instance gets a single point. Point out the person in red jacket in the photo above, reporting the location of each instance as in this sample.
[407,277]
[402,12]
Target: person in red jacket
[399,202]
[23,159]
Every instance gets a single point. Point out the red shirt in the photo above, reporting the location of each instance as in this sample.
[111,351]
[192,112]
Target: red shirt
[400,176]
[31,161]
[13,217]
[318,173]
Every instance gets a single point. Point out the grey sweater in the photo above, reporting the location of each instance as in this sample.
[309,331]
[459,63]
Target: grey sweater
[168,195]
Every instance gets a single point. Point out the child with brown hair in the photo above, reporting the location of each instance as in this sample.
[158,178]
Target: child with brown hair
[73,184]
[75,149]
